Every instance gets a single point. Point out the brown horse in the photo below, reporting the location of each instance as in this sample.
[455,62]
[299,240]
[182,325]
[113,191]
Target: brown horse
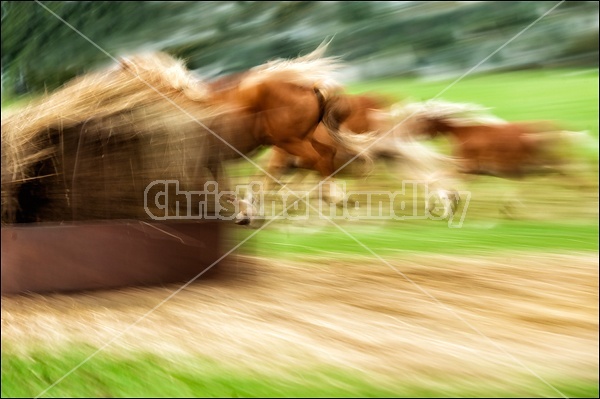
[484,144]
[280,103]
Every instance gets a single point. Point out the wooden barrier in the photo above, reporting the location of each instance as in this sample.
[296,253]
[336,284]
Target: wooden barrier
[74,256]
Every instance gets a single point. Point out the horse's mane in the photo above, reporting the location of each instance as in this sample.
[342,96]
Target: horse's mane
[166,71]
[226,82]
[313,70]
[456,114]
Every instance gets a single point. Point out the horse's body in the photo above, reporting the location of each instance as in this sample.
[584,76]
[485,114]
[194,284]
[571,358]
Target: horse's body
[504,150]
[359,121]
[292,105]
[280,103]
[486,145]
[368,115]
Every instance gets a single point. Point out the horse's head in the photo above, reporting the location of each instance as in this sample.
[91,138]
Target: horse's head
[413,120]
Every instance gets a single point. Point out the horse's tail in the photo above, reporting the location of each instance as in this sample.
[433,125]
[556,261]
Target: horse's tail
[336,109]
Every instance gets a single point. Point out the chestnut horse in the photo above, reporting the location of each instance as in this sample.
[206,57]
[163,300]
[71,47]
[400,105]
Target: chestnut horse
[280,103]
[485,144]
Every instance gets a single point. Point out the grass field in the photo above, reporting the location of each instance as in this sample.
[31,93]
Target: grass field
[148,375]
[556,218]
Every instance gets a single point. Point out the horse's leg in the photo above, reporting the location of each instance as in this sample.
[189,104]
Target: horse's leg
[279,163]
[436,182]
[311,158]
[326,167]
[511,206]
[300,170]
[325,164]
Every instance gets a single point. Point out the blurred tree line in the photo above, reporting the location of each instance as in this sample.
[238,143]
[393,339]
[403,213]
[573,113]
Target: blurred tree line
[376,38]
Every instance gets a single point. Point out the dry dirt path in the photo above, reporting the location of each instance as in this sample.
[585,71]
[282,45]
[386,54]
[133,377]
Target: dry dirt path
[486,318]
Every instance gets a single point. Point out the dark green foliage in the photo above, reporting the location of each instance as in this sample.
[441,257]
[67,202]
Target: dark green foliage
[41,52]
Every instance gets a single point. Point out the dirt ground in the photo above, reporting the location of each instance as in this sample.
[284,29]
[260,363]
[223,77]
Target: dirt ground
[486,317]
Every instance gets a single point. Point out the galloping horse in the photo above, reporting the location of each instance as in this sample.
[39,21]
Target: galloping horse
[281,103]
[485,144]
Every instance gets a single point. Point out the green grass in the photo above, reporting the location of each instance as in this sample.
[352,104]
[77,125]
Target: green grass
[148,375]
[405,237]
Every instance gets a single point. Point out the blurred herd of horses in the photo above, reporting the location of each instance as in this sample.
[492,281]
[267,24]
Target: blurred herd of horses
[296,107]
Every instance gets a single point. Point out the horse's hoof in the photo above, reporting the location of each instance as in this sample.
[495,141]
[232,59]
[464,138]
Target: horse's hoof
[447,199]
[454,196]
